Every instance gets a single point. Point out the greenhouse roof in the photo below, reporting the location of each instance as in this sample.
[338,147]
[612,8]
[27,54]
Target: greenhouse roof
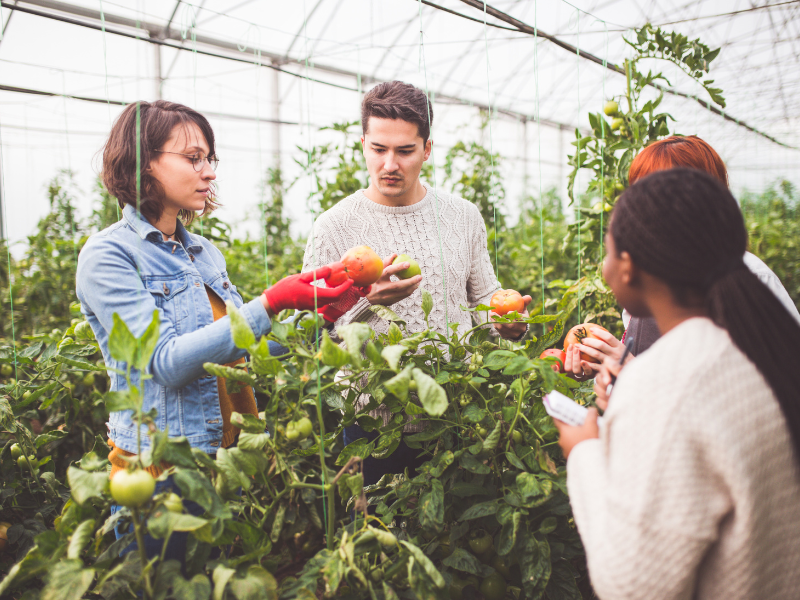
[270,74]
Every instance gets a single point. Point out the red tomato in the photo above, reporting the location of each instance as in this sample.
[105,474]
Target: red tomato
[579,333]
[506,301]
[363,266]
[338,275]
[560,357]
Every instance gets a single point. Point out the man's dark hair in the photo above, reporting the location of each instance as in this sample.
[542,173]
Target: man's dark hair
[684,227]
[398,100]
[124,151]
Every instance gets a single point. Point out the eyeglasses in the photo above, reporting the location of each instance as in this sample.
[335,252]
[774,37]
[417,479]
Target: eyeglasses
[197,159]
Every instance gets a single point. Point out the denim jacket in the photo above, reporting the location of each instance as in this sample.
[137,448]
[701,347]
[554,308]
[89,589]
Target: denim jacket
[128,269]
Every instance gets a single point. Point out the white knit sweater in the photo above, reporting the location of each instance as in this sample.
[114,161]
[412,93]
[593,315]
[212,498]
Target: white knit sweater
[693,489]
[439,226]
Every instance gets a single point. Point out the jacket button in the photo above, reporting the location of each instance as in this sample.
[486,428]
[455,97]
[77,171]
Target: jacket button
[226,285]
[196,284]
[166,289]
[214,444]
[191,257]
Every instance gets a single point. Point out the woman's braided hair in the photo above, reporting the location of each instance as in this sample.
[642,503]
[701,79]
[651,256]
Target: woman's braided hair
[684,227]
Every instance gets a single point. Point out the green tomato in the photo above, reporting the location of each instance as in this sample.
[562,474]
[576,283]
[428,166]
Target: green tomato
[493,587]
[413,267]
[132,488]
[6,370]
[616,123]
[26,395]
[480,542]
[16,451]
[412,386]
[611,108]
[483,432]
[173,503]
[88,379]
[502,564]
[299,430]
[464,400]
[457,588]
[23,462]
[516,436]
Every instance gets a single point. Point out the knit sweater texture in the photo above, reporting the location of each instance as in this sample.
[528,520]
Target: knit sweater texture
[691,490]
[444,233]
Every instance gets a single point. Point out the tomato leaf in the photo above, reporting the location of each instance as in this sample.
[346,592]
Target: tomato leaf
[431,394]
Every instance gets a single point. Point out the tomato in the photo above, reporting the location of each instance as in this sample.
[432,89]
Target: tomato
[363,266]
[502,564]
[338,275]
[6,370]
[611,108]
[16,451]
[88,379]
[617,123]
[412,385]
[457,588]
[480,542]
[516,436]
[413,267]
[4,525]
[560,357]
[132,488]
[445,545]
[506,301]
[173,503]
[493,587]
[464,400]
[579,333]
[23,462]
[483,432]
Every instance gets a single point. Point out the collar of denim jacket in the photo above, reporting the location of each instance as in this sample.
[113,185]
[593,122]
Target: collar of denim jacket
[145,229]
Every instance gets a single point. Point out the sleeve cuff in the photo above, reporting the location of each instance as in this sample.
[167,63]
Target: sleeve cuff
[360,310]
[257,317]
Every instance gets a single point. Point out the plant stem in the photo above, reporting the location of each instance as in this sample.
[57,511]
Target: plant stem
[137,530]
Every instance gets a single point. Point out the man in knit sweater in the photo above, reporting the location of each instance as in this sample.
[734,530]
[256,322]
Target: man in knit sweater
[398,214]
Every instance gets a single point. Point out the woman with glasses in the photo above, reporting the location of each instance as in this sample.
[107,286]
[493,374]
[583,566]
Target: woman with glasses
[163,176]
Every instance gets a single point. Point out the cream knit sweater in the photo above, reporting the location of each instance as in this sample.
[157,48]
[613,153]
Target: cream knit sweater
[439,220]
[693,489]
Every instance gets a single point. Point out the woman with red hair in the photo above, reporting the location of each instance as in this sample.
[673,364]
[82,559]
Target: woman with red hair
[672,152]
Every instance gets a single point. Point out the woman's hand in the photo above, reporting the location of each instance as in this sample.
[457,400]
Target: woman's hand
[572,436]
[296,291]
[609,368]
[579,370]
[607,346]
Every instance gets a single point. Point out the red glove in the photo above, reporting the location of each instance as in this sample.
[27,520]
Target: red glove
[296,291]
[333,311]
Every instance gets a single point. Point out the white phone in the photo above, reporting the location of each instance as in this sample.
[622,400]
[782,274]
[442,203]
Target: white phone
[564,409]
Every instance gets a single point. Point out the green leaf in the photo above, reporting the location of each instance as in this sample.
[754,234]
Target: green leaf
[147,343]
[194,485]
[431,507]
[248,423]
[350,485]
[429,568]
[427,303]
[499,359]
[243,336]
[67,580]
[121,400]
[462,560]
[77,363]
[392,355]
[473,465]
[386,313]
[354,336]
[332,354]
[80,538]
[398,385]
[165,521]
[394,335]
[253,441]
[476,511]
[508,534]
[257,584]
[361,448]
[121,342]
[431,394]
[231,373]
[490,443]
[85,485]
[518,365]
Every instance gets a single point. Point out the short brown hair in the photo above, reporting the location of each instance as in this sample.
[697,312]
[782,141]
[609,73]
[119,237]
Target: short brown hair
[398,100]
[156,121]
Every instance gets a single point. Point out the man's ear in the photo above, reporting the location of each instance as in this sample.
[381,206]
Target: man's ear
[363,145]
[428,148]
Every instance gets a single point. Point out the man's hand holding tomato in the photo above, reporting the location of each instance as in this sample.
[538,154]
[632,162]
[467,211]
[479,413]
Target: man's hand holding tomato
[503,302]
[385,291]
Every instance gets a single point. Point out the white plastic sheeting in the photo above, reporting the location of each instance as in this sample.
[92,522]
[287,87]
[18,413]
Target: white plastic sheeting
[347,45]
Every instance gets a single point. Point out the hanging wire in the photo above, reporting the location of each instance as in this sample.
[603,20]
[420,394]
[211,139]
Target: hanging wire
[422,63]
[105,77]
[8,255]
[539,142]
[491,146]
[578,156]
